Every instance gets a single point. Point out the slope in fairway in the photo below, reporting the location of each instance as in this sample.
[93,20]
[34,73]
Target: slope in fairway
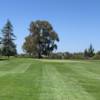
[28,79]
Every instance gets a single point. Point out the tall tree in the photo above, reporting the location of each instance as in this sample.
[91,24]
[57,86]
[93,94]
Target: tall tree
[43,38]
[89,52]
[7,40]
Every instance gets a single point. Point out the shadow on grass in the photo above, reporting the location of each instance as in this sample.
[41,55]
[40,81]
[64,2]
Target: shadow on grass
[3,59]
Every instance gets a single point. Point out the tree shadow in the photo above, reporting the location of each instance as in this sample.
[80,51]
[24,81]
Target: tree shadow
[3,59]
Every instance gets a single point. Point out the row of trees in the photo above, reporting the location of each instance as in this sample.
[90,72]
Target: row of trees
[87,54]
[41,42]
[7,45]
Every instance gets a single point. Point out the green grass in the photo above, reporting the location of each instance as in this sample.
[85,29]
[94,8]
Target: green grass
[28,79]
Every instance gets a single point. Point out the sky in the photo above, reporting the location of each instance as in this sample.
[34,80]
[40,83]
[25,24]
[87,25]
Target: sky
[77,22]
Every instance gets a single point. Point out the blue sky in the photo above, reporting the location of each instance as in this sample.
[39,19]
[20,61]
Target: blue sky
[77,22]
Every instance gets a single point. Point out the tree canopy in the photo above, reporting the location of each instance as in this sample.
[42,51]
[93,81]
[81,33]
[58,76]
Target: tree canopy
[89,52]
[41,40]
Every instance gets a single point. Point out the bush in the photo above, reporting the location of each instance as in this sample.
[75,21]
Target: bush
[97,56]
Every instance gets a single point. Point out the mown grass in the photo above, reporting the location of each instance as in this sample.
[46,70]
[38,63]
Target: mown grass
[29,79]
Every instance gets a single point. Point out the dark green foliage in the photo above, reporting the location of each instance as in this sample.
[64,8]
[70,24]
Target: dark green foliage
[42,39]
[78,55]
[91,51]
[97,55]
[7,40]
[88,53]
[66,55]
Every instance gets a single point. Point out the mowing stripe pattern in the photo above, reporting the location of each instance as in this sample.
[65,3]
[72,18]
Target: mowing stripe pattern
[54,87]
[28,79]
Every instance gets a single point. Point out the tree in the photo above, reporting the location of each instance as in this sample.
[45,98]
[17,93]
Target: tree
[86,53]
[89,52]
[97,55]
[29,45]
[7,40]
[42,38]
[0,47]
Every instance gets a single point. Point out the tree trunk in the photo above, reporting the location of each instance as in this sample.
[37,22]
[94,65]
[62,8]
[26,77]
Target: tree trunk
[8,57]
[39,55]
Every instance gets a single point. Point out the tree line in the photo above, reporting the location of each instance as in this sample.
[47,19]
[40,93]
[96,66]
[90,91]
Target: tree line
[40,43]
[88,53]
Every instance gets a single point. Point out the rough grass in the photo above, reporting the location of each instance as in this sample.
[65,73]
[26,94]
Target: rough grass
[28,79]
